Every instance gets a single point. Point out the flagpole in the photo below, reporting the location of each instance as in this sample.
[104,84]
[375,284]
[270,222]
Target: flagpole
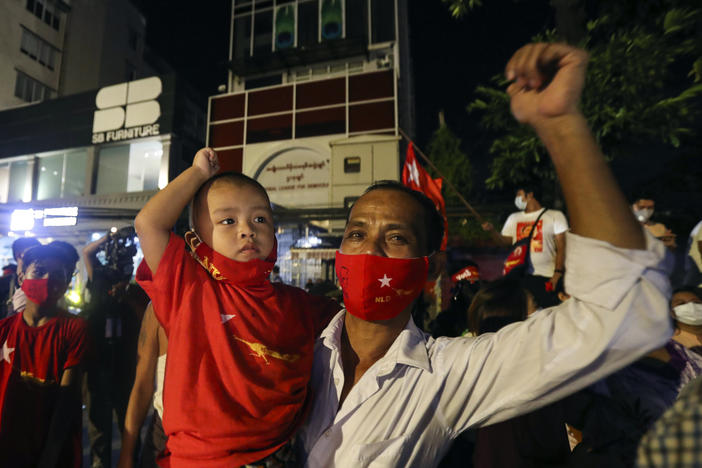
[481,220]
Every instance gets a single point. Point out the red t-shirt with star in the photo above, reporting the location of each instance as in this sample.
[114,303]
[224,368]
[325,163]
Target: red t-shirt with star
[32,362]
[239,361]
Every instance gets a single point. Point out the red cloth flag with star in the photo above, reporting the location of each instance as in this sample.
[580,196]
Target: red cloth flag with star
[415,177]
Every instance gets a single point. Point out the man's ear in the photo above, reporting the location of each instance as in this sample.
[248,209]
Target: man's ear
[437,263]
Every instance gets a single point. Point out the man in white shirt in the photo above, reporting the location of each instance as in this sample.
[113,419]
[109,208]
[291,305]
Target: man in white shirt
[547,253]
[387,394]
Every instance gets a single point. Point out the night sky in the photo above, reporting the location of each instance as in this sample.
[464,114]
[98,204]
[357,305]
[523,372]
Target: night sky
[450,57]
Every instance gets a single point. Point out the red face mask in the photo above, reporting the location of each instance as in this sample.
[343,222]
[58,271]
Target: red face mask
[379,288]
[225,269]
[36,290]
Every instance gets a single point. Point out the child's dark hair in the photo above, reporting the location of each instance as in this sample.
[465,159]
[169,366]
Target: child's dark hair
[432,218]
[236,178]
[497,304]
[62,251]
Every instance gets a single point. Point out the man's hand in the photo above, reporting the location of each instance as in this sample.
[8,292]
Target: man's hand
[207,161]
[549,79]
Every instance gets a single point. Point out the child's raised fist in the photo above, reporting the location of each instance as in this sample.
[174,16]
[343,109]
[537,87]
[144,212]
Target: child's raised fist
[207,161]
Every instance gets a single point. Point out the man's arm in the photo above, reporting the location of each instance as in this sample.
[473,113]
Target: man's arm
[66,413]
[559,269]
[155,221]
[505,241]
[143,389]
[89,255]
[618,310]
[596,206]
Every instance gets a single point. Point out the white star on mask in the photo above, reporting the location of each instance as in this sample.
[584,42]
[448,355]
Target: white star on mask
[5,353]
[384,281]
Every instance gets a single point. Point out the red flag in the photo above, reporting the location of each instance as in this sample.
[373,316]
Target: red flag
[415,177]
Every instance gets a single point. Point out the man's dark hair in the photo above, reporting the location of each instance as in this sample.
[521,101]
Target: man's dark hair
[22,244]
[535,189]
[497,304]
[236,178]
[432,218]
[71,255]
[689,289]
[62,251]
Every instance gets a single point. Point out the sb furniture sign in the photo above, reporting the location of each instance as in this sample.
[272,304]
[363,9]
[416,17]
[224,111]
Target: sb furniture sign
[127,110]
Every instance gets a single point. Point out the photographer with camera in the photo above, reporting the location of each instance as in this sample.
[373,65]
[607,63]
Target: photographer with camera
[113,308]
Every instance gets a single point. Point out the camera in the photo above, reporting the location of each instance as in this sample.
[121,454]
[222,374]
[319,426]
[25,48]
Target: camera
[119,251]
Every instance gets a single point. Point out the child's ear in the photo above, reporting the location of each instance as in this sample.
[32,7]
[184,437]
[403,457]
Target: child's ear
[20,277]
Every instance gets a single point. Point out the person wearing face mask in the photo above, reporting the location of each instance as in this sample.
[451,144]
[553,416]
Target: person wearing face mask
[12,298]
[686,305]
[643,209]
[547,255]
[40,367]
[388,394]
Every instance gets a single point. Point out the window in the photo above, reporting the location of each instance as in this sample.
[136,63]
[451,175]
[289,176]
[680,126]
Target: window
[15,181]
[30,90]
[382,20]
[263,32]
[352,164]
[133,167]
[38,49]
[308,22]
[45,10]
[285,27]
[62,175]
[356,25]
[242,37]
[331,19]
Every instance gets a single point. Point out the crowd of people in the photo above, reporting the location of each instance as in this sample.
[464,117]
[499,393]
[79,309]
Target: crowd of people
[581,355]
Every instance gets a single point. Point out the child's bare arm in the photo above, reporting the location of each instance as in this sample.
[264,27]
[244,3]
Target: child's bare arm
[155,221]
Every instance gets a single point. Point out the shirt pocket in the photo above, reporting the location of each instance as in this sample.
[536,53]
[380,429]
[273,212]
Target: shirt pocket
[386,453]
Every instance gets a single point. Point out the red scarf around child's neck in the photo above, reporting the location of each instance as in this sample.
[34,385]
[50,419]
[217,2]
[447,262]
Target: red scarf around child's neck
[243,274]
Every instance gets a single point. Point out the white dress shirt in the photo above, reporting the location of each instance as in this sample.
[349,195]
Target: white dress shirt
[409,406]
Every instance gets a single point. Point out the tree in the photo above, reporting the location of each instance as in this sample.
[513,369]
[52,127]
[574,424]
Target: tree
[444,150]
[635,94]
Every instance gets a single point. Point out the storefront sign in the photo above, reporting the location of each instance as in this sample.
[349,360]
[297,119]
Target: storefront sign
[127,111]
[296,177]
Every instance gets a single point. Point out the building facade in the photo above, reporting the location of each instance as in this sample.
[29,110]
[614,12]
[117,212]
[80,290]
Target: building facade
[52,48]
[317,92]
[74,167]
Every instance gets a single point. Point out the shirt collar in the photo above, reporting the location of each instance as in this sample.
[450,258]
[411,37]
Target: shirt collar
[409,348]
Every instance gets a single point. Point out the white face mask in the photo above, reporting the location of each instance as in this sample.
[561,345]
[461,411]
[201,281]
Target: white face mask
[644,214]
[520,203]
[689,313]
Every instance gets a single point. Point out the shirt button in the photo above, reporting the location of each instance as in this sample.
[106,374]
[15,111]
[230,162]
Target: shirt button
[336,381]
[327,433]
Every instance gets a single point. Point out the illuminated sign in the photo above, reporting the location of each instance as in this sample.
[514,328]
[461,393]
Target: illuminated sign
[127,110]
[296,177]
[25,220]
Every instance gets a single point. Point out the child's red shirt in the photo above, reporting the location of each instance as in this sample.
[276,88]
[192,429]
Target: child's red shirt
[32,361]
[239,361]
